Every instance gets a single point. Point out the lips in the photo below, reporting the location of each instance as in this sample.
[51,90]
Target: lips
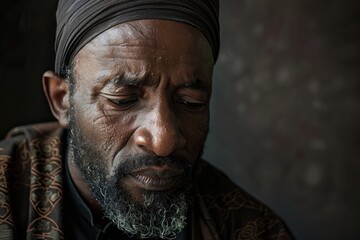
[156,178]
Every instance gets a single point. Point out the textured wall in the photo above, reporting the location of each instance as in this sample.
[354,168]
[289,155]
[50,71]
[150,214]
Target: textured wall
[285,110]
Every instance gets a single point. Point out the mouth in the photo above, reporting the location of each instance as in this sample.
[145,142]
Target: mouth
[156,178]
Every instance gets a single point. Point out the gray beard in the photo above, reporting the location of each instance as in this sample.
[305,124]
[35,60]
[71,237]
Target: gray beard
[153,219]
[162,214]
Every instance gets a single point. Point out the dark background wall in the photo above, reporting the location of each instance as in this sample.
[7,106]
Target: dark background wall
[285,109]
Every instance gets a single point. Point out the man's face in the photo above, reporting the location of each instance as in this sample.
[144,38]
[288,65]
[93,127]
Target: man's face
[139,118]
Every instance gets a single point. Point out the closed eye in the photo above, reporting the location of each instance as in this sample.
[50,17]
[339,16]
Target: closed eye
[121,102]
[192,106]
[124,103]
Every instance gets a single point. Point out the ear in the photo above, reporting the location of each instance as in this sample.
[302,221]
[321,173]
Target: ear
[57,94]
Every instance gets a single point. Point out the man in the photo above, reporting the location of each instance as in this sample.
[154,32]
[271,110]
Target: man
[131,92]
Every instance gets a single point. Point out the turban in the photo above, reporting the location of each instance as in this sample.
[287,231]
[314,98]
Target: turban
[79,21]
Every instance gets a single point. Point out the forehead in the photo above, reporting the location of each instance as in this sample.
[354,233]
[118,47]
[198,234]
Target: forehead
[148,43]
[149,31]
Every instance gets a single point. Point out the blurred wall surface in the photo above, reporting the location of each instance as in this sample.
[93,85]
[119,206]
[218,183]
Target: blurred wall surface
[286,102]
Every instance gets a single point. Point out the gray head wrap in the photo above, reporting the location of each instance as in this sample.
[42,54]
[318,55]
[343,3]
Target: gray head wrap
[79,21]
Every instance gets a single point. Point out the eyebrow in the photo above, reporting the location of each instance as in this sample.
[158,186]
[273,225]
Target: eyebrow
[196,84]
[121,80]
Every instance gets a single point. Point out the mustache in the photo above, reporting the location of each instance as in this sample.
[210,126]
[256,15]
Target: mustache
[130,164]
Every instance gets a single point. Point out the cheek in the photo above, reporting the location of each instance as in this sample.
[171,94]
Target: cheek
[107,131]
[195,130]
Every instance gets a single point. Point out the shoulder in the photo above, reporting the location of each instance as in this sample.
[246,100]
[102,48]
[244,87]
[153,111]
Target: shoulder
[29,155]
[29,135]
[25,147]
[27,140]
[233,211]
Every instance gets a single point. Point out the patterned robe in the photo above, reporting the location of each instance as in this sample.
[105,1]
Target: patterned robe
[31,194]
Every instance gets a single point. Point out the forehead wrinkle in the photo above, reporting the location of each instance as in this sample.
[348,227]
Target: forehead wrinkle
[129,37]
[123,34]
[112,50]
[121,78]
[121,38]
[123,49]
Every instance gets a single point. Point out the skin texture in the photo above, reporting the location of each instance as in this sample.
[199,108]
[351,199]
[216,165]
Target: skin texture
[141,88]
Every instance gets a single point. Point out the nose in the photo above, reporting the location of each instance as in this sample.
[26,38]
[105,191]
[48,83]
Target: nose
[159,132]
